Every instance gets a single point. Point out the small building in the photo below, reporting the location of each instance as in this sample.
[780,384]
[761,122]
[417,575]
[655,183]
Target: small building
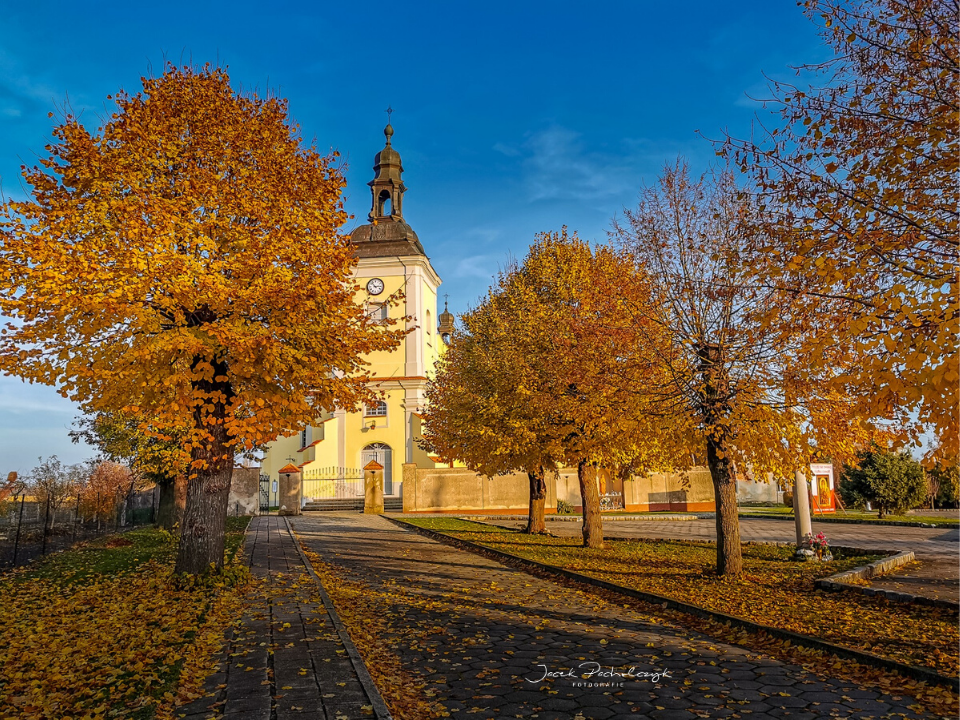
[390,260]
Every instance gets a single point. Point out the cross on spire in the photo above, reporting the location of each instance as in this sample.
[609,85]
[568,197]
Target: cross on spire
[389,112]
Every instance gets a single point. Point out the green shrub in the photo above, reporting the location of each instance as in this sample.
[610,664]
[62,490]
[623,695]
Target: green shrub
[891,482]
[564,508]
[944,482]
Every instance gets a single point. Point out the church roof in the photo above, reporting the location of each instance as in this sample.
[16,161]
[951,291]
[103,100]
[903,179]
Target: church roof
[386,239]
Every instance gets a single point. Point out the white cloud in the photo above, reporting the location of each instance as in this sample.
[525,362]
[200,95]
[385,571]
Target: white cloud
[478,266]
[557,166]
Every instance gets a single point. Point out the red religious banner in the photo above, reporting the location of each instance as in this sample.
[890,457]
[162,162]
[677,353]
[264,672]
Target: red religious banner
[823,497]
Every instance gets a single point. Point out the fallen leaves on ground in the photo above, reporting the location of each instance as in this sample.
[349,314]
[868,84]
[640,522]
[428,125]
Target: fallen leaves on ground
[773,591]
[365,610]
[87,636]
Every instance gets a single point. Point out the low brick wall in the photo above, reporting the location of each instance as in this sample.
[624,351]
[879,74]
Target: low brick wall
[458,490]
[461,491]
[659,492]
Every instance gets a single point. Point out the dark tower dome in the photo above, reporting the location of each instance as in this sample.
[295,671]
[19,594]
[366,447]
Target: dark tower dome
[446,326]
[386,234]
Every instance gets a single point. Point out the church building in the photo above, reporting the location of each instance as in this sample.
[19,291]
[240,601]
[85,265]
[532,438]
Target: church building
[390,259]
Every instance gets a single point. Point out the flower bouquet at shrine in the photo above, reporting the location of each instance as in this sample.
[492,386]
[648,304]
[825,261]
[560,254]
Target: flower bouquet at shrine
[814,547]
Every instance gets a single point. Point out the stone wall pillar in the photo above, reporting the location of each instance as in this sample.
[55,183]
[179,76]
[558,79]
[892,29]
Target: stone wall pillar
[373,488]
[290,491]
[409,487]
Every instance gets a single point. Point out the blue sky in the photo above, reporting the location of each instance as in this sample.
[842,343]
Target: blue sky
[511,117]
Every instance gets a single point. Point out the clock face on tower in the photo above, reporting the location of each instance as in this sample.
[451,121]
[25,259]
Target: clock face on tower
[375,286]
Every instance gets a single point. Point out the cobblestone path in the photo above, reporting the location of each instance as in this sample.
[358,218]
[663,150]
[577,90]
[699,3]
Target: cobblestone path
[491,633]
[286,661]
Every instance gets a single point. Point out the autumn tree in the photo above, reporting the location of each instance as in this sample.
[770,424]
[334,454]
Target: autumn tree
[728,390]
[535,383]
[943,478]
[152,455]
[52,483]
[476,409]
[182,264]
[104,494]
[860,175]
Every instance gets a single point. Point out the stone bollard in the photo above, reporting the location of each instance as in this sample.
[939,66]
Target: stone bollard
[290,490]
[373,488]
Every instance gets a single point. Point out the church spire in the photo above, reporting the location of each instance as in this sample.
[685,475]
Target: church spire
[387,186]
[447,321]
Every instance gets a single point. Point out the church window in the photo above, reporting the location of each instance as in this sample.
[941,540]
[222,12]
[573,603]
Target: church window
[379,312]
[377,410]
[303,438]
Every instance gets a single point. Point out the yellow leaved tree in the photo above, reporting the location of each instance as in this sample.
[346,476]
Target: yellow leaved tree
[730,388]
[182,264]
[477,410]
[861,177]
[535,379]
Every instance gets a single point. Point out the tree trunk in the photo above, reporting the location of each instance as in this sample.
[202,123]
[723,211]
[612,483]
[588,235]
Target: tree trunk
[729,559]
[590,499]
[208,489]
[538,496]
[166,506]
[715,404]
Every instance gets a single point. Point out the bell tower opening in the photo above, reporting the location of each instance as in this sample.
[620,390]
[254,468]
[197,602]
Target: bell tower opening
[384,204]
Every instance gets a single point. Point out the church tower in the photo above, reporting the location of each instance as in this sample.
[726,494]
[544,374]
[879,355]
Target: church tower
[395,280]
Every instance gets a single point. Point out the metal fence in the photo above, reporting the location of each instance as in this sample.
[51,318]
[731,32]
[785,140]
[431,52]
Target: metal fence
[31,529]
[334,483]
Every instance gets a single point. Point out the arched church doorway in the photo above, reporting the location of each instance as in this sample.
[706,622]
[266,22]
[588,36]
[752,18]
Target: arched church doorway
[383,455]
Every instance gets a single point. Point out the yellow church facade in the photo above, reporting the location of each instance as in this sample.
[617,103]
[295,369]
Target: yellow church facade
[396,280]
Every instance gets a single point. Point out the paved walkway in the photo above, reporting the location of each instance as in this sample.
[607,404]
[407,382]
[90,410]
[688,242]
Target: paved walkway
[286,661]
[937,549]
[480,636]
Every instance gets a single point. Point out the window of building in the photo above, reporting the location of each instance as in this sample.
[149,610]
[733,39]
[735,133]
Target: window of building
[303,438]
[378,410]
[379,312]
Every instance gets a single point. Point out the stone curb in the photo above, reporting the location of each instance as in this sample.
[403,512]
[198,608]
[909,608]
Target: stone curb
[841,581]
[851,521]
[917,673]
[379,706]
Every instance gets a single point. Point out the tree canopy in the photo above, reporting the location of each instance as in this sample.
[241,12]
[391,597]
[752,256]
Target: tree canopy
[892,481]
[536,378]
[860,178]
[182,263]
